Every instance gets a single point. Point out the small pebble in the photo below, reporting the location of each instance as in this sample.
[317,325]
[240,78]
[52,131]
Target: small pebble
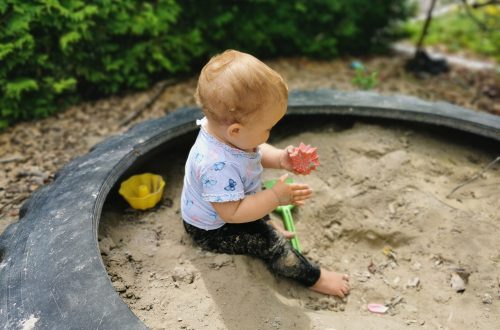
[457,283]
[413,283]
[119,286]
[181,274]
[416,266]
[487,299]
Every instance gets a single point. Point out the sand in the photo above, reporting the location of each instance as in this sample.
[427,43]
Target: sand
[380,213]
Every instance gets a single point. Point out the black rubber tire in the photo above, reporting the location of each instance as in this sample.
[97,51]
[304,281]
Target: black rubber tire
[51,271]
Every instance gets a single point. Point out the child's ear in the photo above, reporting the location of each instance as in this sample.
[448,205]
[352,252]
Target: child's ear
[233,129]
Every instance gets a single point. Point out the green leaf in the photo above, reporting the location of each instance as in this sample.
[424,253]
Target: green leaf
[69,38]
[3,124]
[16,88]
[5,49]
[3,7]
[64,85]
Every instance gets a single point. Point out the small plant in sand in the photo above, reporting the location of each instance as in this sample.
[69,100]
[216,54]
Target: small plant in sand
[364,79]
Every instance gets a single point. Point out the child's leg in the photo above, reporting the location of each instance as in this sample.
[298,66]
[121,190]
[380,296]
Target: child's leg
[259,239]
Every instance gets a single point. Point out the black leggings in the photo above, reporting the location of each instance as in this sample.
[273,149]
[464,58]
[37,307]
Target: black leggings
[259,239]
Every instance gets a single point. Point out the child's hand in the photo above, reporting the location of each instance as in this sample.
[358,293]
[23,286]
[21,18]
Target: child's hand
[286,161]
[299,160]
[303,158]
[293,193]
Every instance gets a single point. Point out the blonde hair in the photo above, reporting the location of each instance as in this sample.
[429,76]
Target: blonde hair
[233,85]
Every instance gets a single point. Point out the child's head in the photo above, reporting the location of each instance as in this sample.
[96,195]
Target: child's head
[234,87]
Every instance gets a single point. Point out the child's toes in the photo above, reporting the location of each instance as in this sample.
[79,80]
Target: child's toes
[346,288]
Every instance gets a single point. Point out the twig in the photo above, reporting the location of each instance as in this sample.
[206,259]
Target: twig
[477,175]
[162,87]
[14,201]
[476,97]
[9,159]
[433,196]
[337,156]
[473,18]
[488,3]
[428,19]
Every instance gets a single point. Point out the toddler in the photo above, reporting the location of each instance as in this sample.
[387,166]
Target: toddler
[223,206]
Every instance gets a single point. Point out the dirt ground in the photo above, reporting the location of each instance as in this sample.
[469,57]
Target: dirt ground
[32,152]
[381,213]
[380,189]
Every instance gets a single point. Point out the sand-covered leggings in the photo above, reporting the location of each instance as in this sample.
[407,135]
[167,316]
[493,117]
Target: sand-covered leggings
[258,239]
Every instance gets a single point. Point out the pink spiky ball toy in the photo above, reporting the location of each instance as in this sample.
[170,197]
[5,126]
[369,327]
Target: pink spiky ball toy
[304,158]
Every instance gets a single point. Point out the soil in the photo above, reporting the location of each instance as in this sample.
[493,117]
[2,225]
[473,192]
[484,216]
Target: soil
[32,152]
[381,213]
[359,220]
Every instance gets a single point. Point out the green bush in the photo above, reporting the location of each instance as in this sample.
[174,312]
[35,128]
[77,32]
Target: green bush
[54,52]
[315,28]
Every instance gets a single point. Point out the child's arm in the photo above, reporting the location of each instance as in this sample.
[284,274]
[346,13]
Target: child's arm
[305,158]
[256,206]
[273,157]
[270,156]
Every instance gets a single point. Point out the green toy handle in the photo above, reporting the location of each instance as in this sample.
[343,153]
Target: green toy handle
[290,226]
[286,212]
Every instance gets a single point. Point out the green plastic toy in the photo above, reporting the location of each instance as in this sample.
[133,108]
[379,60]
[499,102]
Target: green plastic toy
[286,213]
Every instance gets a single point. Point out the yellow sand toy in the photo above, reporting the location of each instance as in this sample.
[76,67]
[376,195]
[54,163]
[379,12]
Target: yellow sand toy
[142,191]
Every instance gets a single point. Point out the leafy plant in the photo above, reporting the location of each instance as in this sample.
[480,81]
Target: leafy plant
[54,52]
[457,31]
[319,29]
[364,79]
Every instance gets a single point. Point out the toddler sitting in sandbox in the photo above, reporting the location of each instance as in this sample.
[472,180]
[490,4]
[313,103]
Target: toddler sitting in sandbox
[222,203]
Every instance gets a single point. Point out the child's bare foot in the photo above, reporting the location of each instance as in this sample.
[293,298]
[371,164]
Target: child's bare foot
[332,283]
[278,226]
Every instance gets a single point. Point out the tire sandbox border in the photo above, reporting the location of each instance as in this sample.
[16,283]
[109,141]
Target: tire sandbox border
[51,272]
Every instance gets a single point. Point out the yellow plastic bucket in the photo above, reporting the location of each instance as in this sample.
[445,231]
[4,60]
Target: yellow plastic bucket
[142,191]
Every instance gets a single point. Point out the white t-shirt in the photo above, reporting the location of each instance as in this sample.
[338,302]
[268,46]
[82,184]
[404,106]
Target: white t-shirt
[216,172]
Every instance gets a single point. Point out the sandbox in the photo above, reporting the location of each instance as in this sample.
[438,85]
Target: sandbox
[380,213]
[362,221]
